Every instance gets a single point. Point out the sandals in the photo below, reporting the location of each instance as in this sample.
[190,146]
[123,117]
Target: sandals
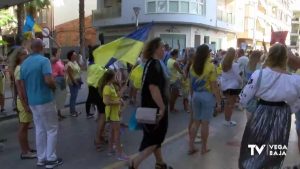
[162,166]
[192,152]
[99,146]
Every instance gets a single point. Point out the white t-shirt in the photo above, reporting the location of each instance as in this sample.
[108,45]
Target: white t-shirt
[286,88]
[231,79]
[243,62]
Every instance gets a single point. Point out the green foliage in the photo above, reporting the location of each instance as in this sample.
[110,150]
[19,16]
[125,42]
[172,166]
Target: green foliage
[36,5]
[2,42]
[5,18]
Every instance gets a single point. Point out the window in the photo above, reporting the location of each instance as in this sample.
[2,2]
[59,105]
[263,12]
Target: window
[108,3]
[201,8]
[162,6]
[173,6]
[151,7]
[176,6]
[193,8]
[184,7]
[206,39]
[175,41]
[197,40]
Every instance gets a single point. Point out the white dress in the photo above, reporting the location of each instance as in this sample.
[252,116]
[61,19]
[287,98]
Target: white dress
[286,88]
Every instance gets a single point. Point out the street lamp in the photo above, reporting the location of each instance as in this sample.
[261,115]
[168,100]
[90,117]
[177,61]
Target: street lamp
[136,12]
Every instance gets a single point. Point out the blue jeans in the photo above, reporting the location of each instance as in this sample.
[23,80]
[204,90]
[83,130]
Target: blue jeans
[73,92]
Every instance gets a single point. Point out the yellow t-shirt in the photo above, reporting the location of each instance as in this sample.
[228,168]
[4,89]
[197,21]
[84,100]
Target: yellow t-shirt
[111,112]
[94,74]
[219,70]
[202,82]
[172,70]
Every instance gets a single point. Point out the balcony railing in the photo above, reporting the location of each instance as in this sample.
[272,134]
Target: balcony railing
[106,13]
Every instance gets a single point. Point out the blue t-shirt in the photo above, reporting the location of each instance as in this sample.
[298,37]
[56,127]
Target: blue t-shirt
[32,72]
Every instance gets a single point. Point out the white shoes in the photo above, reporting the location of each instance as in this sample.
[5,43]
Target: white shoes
[230,123]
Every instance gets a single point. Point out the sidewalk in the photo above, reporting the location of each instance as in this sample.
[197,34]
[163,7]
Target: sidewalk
[224,143]
[82,96]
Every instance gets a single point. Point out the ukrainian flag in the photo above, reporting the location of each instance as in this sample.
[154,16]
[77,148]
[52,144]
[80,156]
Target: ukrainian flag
[30,25]
[125,49]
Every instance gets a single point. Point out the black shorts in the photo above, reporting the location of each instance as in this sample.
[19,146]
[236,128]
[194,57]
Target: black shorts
[234,92]
[95,98]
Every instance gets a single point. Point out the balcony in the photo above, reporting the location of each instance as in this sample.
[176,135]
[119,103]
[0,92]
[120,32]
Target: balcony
[107,13]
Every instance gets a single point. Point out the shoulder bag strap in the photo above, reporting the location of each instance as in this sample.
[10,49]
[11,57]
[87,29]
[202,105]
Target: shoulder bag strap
[270,85]
[146,70]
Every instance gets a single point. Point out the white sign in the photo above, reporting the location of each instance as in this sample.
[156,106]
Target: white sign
[270,150]
[46,42]
[45,32]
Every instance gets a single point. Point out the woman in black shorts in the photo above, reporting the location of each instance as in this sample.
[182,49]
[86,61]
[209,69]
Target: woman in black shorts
[94,74]
[231,84]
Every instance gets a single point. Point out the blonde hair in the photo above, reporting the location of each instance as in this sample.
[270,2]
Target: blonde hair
[254,59]
[14,58]
[228,59]
[277,56]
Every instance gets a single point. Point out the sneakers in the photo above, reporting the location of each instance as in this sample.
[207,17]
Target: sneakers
[89,116]
[111,153]
[230,123]
[75,114]
[41,163]
[53,164]
[123,157]
[28,155]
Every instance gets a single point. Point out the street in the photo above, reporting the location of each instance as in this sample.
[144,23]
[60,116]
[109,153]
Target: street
[76,135]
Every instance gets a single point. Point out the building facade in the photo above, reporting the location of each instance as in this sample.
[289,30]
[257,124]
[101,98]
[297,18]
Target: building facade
[295,33]
[260,16]
[180,23]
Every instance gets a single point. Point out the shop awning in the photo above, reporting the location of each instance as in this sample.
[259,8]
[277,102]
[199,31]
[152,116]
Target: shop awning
[8,3]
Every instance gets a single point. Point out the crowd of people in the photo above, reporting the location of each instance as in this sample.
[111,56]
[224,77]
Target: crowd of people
[264,82]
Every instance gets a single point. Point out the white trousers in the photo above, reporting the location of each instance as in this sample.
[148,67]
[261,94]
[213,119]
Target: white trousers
[46,127]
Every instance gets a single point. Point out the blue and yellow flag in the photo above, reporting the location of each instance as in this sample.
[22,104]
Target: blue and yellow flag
[30,25]
[125,49]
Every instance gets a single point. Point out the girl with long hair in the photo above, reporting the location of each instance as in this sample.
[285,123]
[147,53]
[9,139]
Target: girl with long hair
[113,103]
[231,82]
[205,95]
[25,116]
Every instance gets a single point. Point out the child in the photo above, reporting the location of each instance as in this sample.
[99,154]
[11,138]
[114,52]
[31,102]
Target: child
[113,103]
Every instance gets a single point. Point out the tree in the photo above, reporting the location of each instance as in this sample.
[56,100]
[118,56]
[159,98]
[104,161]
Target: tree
[20,19]
[31,8]
[82,29]
[5,19]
